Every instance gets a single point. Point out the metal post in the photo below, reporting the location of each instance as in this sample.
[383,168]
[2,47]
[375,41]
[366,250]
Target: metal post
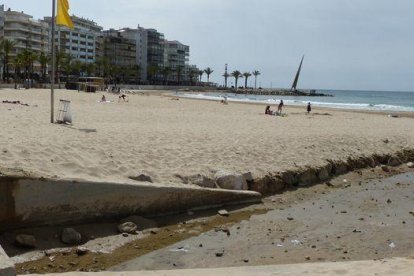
[52,81]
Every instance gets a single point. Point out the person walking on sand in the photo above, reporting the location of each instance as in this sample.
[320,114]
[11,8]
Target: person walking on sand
[309,108]
[280,107]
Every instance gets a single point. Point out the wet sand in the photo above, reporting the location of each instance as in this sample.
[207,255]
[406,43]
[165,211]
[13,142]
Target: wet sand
[348,221]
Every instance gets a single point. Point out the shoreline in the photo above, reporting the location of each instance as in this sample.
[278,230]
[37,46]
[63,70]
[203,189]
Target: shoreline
[406,114]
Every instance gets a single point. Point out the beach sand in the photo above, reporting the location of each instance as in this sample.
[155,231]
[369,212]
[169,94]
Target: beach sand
[161,137]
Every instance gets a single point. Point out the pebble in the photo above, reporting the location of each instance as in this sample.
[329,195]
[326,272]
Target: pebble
[223,213]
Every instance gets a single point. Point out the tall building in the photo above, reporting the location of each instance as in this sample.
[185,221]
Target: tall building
[120,52]
[176,57]
[23,31]
[81,42]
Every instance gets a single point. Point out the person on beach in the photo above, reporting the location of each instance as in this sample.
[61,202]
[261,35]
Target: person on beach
[224,100]
[309,108]
[122,97]
[268,111]
[280,107]
[103,99]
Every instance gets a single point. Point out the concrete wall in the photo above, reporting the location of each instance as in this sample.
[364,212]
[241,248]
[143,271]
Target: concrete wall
[34,202]
[6,265]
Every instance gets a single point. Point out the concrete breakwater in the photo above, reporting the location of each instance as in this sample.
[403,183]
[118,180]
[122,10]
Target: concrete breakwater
[28,202]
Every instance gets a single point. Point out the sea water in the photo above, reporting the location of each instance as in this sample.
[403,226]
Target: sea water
[359,100]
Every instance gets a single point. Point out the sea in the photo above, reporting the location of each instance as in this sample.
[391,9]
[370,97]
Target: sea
[341,99]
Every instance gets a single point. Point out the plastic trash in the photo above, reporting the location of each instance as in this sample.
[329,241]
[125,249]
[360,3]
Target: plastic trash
[295,242]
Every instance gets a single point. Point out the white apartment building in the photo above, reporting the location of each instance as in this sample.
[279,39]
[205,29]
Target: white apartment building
[81,42]
[23,31]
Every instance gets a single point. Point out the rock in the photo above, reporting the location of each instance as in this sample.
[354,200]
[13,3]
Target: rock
[71,236]
[127,227]
[386,141]
[231,181]
[248,176]
[155,231]
[80,251]
[219,254]
[202,181]
[389,201]
[223,213]
[394,162]
[125,235]
[142,178]
[385,168]
[141,222]
[290,218]
[410,165]
[26,241]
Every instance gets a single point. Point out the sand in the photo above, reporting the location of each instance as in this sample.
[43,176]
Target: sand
[160,137]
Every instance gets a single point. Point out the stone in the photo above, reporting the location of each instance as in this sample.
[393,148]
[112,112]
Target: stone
[410,165]
[71,236]
[142,178]
[248,176]
[141,222]
[386,141]
[202,181]
[219,254]
[26,241]
[394,162]
[231,181]
[385,168]
[127,227]
[223,213]
[80,251]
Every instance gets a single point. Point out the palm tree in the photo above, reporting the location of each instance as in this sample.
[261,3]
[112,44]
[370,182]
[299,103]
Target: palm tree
[137,72]
[179,71]
[65,65]
[18,63]
[166,71]
[256,73]
[6,46]
[90,69]
[44,60]
[200,74]
[76,67]
[29,57]
[192,74]
[226,76]
[152,72]
[236,74]
[246,76]
[62,60]
[208,71]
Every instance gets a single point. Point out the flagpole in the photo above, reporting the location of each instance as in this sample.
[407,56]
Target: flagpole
[52,81]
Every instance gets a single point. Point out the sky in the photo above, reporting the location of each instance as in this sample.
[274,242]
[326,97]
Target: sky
[348,44]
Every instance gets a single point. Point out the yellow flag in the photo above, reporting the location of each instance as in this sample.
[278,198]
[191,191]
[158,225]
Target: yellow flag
[63,17]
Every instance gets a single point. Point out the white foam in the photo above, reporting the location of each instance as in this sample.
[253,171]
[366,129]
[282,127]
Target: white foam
[358,106]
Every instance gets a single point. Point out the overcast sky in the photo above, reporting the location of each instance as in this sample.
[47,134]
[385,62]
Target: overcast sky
[348,44]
